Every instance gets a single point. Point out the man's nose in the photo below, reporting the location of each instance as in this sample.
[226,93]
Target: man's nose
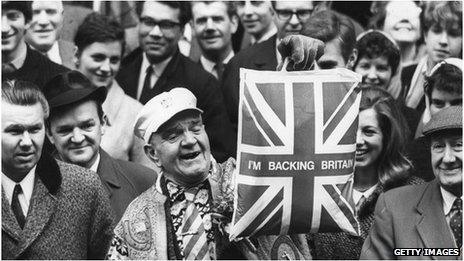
[156,31]
[77,136]
[26,139]
[294,20]
[449,156]
[5,25]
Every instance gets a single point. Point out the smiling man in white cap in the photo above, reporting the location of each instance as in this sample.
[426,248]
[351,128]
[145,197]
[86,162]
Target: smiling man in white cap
[176,218]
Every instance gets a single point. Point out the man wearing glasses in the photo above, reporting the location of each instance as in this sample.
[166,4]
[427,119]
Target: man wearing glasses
[289,19]
[158,66]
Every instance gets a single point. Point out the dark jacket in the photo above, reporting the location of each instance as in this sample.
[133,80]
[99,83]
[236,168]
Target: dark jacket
[123,180]
[36,68]
[343,245]
[69,216]
[406,78]
[182,72]
[409,217]
[261,56]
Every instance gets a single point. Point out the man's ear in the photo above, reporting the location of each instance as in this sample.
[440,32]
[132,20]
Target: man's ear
[104,123]
[49,135]
[152,154]
[234,22]
[352,59]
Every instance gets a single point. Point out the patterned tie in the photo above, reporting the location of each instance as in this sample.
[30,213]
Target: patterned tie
[194,236]
[16,206]
[360,203]
[456,221]
[147,88]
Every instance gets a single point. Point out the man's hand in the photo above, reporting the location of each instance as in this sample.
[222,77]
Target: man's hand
[301,50]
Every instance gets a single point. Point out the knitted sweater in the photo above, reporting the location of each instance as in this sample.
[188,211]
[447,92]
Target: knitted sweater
[343,245]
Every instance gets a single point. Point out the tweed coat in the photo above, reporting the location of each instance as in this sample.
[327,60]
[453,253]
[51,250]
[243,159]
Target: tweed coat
[69,216]
[182,72]
[123,180]
[409,217]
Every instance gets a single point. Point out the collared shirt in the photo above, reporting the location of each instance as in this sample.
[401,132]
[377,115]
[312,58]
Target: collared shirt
[265,36]
[19,61]
[158,69]
[54,53]
[94,166]
[358,194]
[27,185]
[208,65]
[278,56]
[178,206]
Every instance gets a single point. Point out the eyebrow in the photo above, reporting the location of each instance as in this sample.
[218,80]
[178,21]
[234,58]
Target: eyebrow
[23,127]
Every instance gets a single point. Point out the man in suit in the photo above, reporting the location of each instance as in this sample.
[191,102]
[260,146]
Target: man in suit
[158,66]
[44,31]
[50,209]
[213,24]
[431,215]
[289,19]
[19,61]
[75,128]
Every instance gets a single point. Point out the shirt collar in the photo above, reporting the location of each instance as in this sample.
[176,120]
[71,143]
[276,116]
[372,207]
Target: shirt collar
[448,200]
[19,61]
[208,65]
[278,56]
[54,53]
[27,185]
[265,36]
[94,166]
[357,194]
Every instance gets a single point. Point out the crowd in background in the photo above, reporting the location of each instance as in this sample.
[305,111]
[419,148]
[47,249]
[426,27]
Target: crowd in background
[146,95]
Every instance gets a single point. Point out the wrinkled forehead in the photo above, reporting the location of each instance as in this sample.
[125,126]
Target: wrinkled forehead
[56,5]
[186,117]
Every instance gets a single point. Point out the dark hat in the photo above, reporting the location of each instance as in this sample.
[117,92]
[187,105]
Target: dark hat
[447,119]
[24,7]
[70,87]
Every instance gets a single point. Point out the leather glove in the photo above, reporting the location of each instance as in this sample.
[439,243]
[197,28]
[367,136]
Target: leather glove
[301,50]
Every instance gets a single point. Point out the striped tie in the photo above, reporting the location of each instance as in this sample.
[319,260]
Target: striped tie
[456,221]
[194,234]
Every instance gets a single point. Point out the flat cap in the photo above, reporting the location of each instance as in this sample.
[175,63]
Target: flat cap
[446,119]
[161,109]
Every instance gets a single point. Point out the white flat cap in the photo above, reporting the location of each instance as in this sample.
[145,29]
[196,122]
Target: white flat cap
[162,108]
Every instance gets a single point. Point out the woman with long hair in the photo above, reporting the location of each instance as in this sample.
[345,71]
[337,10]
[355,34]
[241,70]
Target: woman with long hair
[380,165]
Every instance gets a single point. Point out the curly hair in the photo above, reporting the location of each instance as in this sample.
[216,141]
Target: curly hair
[98,28]
[374,44]
[393,167]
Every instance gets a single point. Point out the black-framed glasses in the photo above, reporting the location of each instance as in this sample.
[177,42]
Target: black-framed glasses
[164,25]
[301,14]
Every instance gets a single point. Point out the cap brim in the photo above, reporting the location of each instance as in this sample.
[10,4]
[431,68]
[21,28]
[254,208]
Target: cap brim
[177,113]
[76,95]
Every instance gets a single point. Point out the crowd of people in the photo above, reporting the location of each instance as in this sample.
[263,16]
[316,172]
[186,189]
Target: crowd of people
[120,119]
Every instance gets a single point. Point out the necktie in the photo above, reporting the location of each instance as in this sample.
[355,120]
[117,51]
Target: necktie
[219,68]
[194,235]
[16,206]
[360,203]
[147,88]
[456,221]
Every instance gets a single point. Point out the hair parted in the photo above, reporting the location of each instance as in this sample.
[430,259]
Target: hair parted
[24,93]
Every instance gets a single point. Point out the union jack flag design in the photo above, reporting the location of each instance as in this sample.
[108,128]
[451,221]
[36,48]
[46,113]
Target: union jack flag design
[296,145]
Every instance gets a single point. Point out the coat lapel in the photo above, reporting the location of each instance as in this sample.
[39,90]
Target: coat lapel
[432,226]
[9,223]
[171,68]
[41,210]
[107,173]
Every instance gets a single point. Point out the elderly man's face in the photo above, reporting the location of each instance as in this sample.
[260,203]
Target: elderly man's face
[446,156]
[181,148]
[47,20]
[23,134]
